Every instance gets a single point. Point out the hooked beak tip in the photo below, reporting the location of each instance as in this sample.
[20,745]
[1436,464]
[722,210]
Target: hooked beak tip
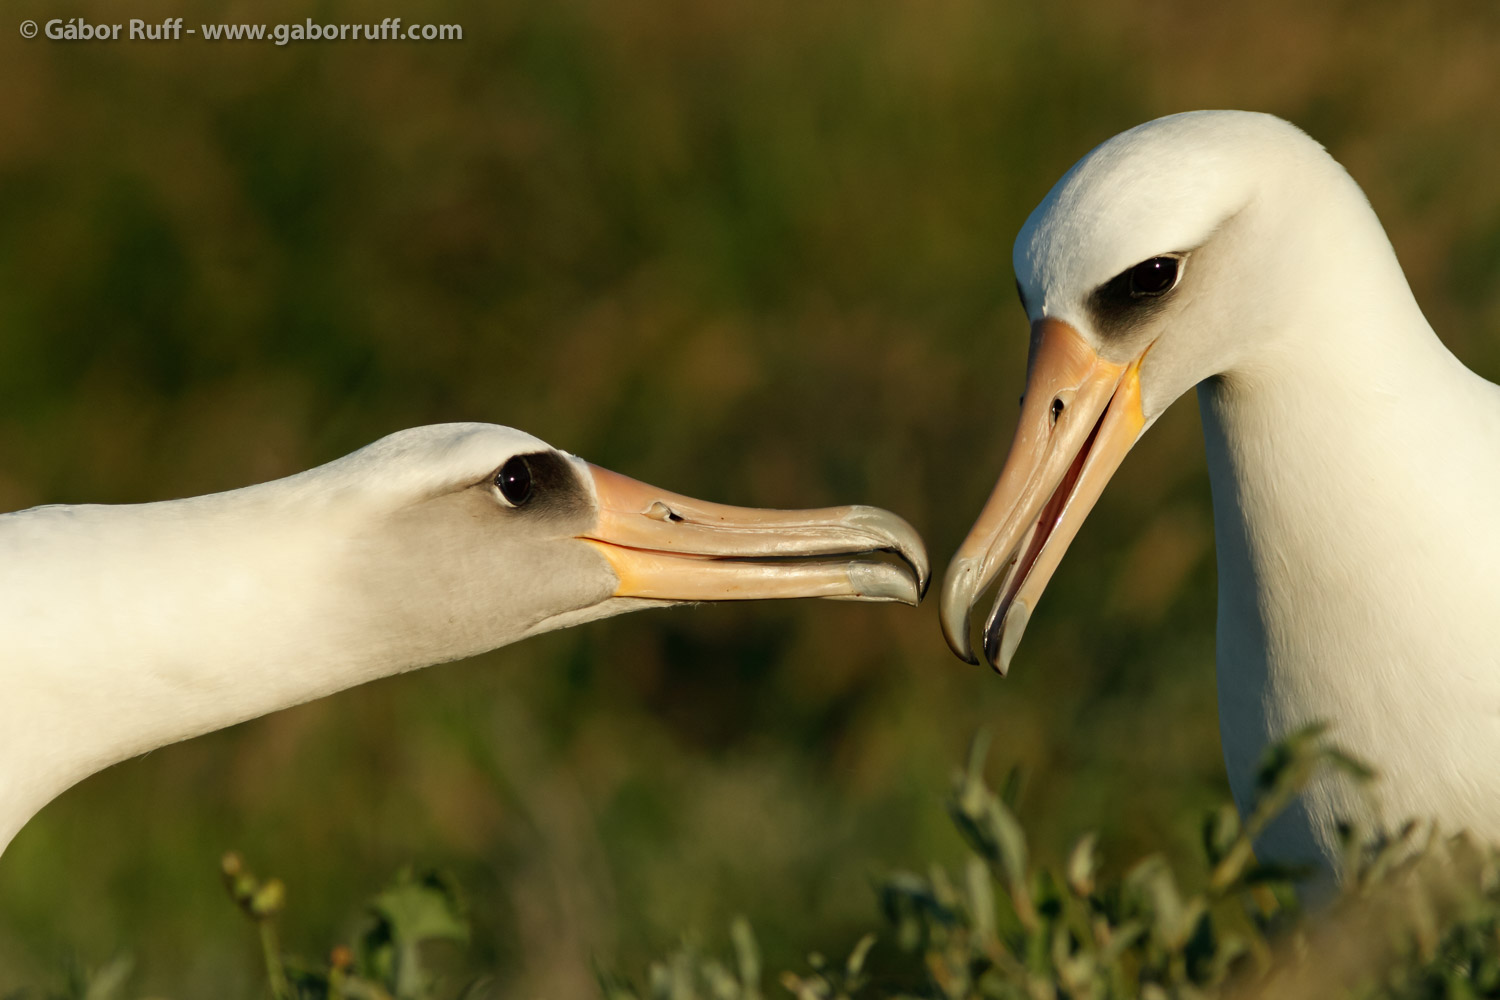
[884,582]
[899,538]
[920,571]
[958,599]
[961,648]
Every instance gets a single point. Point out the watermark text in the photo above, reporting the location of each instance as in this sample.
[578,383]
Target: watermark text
[172,29]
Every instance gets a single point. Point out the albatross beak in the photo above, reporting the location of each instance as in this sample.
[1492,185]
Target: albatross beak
[663,546]
[1079,417]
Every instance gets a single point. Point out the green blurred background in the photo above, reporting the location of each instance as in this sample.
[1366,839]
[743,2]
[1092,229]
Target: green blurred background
[753,250]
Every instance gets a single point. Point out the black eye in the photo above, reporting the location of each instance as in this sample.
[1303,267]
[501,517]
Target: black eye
[514,481]
[1154,276]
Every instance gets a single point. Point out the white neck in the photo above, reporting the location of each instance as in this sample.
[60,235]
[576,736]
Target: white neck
[1352,587]
[126,628]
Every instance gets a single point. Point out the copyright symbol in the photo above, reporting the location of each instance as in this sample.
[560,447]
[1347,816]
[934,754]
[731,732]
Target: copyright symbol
[28,29]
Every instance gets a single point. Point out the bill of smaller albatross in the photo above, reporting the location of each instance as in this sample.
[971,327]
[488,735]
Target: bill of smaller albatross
[1354,462]
[124,628]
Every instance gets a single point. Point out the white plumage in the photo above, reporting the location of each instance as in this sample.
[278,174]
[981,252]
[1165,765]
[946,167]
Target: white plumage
[123,628]
[1355,463]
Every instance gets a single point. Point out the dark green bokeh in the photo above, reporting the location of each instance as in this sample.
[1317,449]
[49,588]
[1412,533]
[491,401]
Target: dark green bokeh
[753,251]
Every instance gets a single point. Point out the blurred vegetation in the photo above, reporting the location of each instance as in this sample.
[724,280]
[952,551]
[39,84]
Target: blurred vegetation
[1416,915]
[753,250]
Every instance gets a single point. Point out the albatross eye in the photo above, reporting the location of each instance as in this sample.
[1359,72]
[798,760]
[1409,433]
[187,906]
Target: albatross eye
[1153,277]
[514,481]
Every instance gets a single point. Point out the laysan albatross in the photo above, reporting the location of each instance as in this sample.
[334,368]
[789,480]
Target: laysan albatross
[1354,462]
[124,628]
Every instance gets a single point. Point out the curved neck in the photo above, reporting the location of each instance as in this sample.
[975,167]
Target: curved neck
[1337,418]
[1337,441]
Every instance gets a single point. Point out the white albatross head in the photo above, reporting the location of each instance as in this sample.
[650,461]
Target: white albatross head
[531,538]
[124,628]
[1197,245]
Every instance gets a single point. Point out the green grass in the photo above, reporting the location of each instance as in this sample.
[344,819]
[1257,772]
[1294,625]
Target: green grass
[1417,916]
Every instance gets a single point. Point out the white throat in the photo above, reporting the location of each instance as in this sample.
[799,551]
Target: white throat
[1349,469]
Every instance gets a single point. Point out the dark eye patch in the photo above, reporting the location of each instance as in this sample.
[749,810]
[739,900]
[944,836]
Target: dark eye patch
[552,487]
[1135,294]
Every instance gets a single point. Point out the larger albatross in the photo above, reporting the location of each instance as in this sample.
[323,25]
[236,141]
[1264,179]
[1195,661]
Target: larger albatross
[1354,462]
[123,628]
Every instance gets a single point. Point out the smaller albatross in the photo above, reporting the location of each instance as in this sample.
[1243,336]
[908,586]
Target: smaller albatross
[124,628]
[1354,462]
